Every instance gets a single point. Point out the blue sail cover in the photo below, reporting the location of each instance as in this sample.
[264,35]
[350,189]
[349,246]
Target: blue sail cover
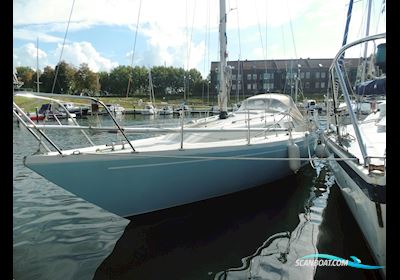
[373,87]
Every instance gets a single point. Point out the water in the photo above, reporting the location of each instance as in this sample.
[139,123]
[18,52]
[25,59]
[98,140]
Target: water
[60,236]
[56,235]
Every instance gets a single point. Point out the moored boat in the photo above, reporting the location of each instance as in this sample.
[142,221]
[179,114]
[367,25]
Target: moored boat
[249,148]
[266,139]
[358,145]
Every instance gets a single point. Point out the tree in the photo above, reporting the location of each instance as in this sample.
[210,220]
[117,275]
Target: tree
[34,81]
[47,79]
[104,80]
[119,77]
[65,78]
[85,80]
[140,80]
[25,75]
[195,82]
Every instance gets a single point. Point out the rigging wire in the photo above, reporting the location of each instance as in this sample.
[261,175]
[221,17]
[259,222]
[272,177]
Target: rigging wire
[134,48]
[206,48]
[263,47]
[208,51]
[291,76]
[239,68]
[382,11]
[284,55]
[62,49]
[189,37]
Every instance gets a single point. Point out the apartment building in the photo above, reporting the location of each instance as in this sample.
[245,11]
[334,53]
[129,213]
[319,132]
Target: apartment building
[250,77]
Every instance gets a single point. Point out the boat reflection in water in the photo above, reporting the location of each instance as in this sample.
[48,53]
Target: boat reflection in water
[276,258]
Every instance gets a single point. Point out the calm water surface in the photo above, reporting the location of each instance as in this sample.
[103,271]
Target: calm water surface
[249,235]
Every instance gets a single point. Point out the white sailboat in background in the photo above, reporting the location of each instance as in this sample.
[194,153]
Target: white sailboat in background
[149,108]
[166,109]
[265,140]
[358,143]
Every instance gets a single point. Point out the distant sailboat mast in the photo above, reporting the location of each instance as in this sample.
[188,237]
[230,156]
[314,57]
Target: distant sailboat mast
[223,94]
[37,65]
[152,97]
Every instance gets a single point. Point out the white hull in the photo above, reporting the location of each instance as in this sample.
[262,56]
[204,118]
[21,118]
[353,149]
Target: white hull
[166,112]
[147,112]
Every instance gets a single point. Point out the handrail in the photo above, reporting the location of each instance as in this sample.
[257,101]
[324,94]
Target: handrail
[55,116]
[357,42]
[29,129]
[41,132]
[180,129]
[50,95]
[336,66]
[160,130]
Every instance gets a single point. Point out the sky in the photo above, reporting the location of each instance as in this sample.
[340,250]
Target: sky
[182,33]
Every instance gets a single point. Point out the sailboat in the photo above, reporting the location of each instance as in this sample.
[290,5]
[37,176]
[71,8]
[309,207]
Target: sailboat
[358,145]
[149,108]
[265,140]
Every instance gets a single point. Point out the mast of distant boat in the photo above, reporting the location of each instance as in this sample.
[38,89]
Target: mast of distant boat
[37,64]
[152,97]
[223,94]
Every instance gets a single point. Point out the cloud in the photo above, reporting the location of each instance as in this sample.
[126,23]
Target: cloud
[172,13]
[27,56]
[166,27]
[83,52]
[171,48]
[32,35]
[74,53]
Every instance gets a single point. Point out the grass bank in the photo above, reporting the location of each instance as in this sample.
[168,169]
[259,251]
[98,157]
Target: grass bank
[30,104]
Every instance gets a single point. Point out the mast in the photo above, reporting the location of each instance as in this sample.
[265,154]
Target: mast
[341,62]
[366,44]
[346,31]
[37,64]
[152,97]
[223,94]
